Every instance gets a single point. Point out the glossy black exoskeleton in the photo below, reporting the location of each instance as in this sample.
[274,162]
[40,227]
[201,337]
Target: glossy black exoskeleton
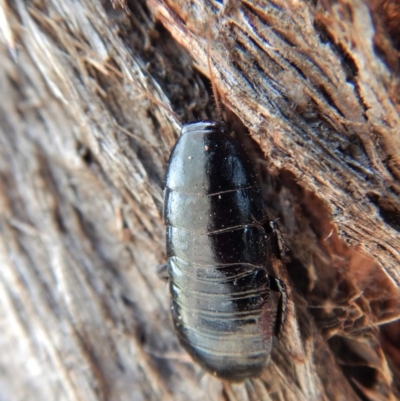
[218,255]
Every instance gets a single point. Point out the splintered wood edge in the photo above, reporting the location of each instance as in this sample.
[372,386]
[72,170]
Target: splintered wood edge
[318,168]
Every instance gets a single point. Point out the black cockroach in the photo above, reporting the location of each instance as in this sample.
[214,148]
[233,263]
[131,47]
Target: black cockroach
[217,247]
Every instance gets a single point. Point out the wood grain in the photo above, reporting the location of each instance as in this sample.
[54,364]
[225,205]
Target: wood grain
[93,98]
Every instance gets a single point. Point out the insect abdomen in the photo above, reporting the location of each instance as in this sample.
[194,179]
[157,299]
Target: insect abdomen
[216,245]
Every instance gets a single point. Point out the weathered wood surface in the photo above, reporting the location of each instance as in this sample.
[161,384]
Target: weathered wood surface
[86,128]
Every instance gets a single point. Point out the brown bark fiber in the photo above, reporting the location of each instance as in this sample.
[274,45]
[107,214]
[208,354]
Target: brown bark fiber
[92,99]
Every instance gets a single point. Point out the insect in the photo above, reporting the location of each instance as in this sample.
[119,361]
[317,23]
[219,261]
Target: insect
[217,247]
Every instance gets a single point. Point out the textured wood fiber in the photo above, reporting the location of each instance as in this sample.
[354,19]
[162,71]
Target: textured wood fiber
[91,97]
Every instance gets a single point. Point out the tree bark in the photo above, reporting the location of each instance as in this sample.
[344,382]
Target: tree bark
[93,98]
